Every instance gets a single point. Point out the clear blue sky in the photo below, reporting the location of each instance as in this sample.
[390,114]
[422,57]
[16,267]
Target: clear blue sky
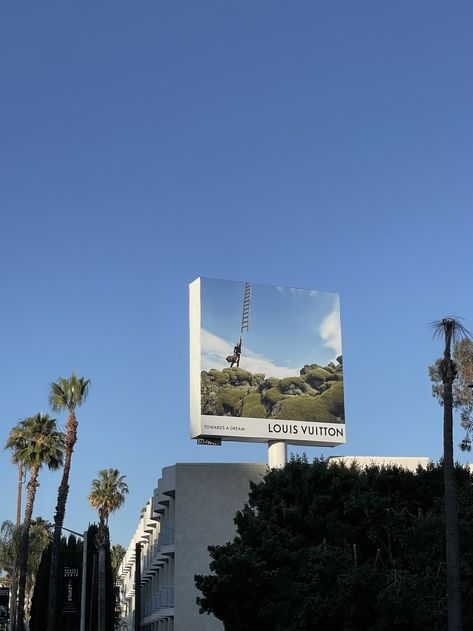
[325,145]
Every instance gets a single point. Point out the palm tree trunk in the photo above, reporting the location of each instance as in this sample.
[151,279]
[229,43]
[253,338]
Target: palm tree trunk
[63,491]
[24,545]
[452,535]
[19,493]
[14,582]
[14,595]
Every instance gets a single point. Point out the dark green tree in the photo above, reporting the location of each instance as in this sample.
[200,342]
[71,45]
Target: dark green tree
[327,547]
[71,554]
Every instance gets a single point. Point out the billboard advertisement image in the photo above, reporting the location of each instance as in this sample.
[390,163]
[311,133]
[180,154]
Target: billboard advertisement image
[265,363]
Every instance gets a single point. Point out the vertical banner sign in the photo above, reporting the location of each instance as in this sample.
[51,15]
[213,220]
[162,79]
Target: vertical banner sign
[4,599]
[72,589]
[265,364]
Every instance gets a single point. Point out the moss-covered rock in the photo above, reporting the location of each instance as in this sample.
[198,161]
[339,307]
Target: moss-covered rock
[289,384]
[317,376]
[253,406]
[273,395]
[238,376]
[335,377]
[231,400]
[316,395]
[333,400]
[269,383]
[219,377]
[305,408]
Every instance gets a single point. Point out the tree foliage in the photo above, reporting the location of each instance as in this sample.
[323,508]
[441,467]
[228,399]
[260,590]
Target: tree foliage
[462,395]
[10,535]
[107,493]
[117,553]
[334,548]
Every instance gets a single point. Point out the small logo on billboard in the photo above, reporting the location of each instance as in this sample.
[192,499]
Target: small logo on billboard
[213,442]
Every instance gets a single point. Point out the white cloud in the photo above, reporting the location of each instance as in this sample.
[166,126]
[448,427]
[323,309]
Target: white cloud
[215,350]
[295,293]
[329,330]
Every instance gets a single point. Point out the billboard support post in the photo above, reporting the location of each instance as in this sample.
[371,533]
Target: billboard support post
[277,454]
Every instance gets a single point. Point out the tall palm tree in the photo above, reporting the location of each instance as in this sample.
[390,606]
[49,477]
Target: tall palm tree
[450,329]
[15,443]
[66,394]
[107,495]
[42,444]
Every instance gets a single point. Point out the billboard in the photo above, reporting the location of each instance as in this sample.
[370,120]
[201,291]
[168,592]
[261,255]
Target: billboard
[265,363]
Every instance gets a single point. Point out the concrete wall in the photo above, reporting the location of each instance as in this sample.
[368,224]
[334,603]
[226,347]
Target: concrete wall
[207,498]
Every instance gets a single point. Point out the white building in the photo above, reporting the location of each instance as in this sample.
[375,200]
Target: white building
[192,507]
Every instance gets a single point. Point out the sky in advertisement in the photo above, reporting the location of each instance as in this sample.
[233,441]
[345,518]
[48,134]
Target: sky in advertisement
[288,327]
[319,145]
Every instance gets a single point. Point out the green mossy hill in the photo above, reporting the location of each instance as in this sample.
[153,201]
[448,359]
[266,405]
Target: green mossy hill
[316,394]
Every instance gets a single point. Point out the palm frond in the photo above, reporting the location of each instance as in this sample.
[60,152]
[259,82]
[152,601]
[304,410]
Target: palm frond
[67,394]
[37,442]
[449,324]
[108,492]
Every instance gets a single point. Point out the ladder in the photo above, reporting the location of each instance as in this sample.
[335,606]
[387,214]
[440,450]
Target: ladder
[245,318]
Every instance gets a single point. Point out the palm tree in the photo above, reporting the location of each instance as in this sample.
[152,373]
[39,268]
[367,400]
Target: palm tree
[41,444]
[107,495]
[66,394]
[450,329]
[117,553]
[16,442]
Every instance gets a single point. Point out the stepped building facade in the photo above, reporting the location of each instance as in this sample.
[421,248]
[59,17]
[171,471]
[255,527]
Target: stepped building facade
[191,508]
